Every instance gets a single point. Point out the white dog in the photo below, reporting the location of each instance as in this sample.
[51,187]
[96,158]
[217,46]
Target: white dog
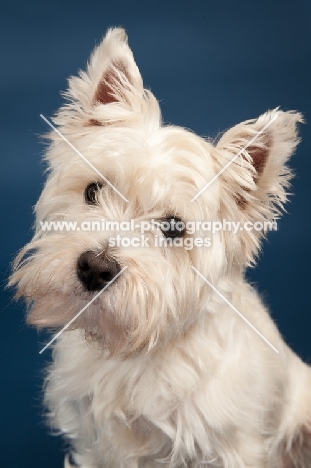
[176,361]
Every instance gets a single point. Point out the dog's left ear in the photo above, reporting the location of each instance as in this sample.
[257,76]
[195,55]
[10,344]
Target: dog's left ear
[110,90]
[254,177]
[257,177]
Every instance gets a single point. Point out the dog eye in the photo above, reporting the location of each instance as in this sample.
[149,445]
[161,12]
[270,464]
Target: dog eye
[90,193]
[172,227]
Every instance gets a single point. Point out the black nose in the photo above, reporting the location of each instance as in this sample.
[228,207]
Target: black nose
[96,270]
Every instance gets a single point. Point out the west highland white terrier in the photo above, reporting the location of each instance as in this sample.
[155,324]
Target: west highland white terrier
[166,356]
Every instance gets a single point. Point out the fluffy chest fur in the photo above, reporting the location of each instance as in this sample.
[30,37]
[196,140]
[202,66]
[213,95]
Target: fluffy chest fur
[196,402]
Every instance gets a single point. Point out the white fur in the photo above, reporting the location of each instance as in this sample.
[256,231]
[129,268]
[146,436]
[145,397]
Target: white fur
[174,377]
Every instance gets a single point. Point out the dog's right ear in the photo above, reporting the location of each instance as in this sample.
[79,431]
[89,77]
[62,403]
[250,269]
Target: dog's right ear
[110,90]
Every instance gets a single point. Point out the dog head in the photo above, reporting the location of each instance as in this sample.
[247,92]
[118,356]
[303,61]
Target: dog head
[112,159]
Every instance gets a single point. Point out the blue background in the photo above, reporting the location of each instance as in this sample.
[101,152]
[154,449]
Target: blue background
[212,64]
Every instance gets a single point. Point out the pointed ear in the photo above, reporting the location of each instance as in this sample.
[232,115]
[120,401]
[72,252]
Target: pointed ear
[259,150]
[252,159]
[110,89]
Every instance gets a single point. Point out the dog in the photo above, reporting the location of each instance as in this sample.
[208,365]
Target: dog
[166,356]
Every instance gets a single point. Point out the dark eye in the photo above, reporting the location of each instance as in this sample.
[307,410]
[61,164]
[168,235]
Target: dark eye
[90,193]
[173,227]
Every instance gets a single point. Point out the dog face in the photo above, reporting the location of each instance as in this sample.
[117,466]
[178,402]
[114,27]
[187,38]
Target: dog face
[121,165]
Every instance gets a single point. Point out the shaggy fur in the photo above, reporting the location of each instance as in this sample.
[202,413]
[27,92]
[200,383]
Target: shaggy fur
[159,370]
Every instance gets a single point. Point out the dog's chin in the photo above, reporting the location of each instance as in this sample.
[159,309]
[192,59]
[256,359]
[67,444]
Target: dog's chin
[114,341]
[55,313]
[100,324]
